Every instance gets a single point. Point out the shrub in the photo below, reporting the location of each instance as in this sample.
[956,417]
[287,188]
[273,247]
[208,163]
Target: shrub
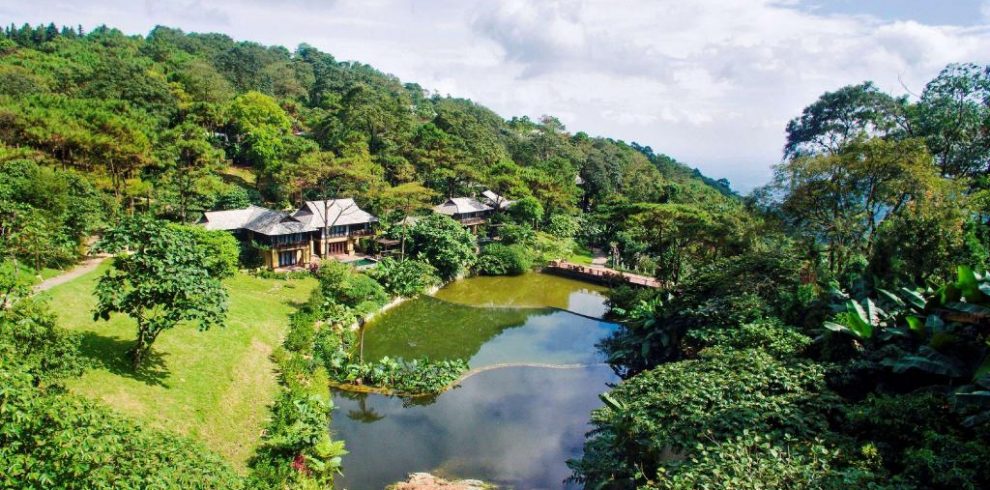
[715,398]
[444,244]
[502,260]
[223,250]
[752,461]
[563,226]
[58,440]
[297,447]
[347,294]
[31,338]
[405,278]
[547,247]
[921,438]
[516,234]
[774,337]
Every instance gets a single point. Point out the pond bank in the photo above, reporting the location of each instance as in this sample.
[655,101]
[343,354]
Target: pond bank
[516,417]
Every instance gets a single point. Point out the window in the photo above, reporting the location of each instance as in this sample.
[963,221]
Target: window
[278,240]
[287,258]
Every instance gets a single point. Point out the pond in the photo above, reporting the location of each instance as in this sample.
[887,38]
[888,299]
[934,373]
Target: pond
[520,415]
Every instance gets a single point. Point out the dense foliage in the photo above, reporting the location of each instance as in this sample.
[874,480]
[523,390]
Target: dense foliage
[843,345]
[296,450]
[828,331]
[444,244]
[504,260]
[52,439]
[405,278]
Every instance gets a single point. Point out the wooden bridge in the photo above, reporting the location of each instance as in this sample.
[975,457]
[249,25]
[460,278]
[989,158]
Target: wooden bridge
[599,274]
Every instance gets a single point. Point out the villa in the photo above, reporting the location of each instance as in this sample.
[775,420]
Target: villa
[467,210]
[495,201]
[317,229]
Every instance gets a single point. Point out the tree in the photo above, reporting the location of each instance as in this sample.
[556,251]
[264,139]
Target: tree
[839,117]
[329,178]
[954,118]
[190,167]
[159,277]
[444,244]
[260,127]
[527,211]
[842,199]
[406,198]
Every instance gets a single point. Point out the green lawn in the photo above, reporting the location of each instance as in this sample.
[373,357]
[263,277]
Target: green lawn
[581,255]
[215,386]
[27,273]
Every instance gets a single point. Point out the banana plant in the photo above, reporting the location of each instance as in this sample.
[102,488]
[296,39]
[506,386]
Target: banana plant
[859,321]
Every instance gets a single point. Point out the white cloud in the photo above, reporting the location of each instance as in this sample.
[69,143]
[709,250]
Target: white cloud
[710,82]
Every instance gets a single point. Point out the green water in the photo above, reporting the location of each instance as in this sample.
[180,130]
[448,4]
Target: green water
[516,425]
[533,290]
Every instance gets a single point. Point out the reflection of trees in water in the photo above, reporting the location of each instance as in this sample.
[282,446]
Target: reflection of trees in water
[363,414]
[440,329]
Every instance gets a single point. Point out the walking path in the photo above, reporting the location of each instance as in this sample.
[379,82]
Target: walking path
[600,273]
[79,270]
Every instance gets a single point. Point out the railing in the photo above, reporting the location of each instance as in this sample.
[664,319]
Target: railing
[602,274]
[471,221]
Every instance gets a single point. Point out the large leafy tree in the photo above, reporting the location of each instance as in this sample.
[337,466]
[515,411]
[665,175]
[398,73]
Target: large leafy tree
[954,118]
[260,128]
[160,277]
[842,199]
[839,117]
[406,199]
[444,244]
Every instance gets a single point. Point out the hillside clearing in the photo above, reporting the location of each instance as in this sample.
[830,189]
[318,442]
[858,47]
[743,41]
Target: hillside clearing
[215,386]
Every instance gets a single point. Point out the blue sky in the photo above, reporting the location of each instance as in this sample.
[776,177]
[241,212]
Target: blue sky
[709,82]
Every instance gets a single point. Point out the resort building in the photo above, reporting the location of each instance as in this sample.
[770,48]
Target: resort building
[495,201]
[468,210]
[339,224]
[287,240]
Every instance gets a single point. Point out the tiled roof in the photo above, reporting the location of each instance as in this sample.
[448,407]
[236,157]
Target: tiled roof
[255,218]
[340,212]
[461,205]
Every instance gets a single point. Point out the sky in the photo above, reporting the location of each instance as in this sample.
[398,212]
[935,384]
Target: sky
[711,83]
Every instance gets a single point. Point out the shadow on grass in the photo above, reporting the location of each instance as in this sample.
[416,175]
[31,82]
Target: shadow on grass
[296,304]
[111,354]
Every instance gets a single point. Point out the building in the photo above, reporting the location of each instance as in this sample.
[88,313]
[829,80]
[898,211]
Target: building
[495,201]
[287,240]
[467,210]
[284,241]
[339,223]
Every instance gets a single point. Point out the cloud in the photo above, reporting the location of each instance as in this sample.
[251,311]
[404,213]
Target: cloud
[710,82]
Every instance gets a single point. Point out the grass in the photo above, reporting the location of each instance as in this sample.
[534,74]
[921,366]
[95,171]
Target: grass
[581,255]
[215,386]
[240,175]
[27,273]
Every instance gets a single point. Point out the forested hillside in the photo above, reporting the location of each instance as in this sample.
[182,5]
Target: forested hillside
[177,123]
[830,330]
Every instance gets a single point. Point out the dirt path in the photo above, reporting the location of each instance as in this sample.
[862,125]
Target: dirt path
[84,267]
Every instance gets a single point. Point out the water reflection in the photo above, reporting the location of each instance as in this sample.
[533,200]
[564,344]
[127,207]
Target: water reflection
[428,327]
[516,426]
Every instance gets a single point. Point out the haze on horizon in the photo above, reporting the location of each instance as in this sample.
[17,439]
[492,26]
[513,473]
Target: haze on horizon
[711,83]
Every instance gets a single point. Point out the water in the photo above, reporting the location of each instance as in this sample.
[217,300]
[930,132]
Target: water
[512,424]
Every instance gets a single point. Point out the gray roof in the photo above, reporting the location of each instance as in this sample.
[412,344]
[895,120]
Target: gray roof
[255,218]
[461,205]
[339,211]
[495,200]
